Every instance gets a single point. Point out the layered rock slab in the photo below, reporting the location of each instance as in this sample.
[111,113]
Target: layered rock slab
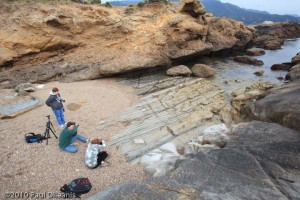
[259,162]
[174,114]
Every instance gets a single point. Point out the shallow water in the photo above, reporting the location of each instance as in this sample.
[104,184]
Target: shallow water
[240,75]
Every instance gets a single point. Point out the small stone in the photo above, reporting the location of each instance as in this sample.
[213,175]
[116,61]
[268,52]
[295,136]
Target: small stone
[238,80]
[138,141]
[259,73]
[280,78]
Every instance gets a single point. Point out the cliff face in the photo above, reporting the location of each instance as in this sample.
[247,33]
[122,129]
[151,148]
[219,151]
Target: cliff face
[43,42]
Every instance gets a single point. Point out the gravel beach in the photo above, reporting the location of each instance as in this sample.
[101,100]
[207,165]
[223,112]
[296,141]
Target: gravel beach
[39,168]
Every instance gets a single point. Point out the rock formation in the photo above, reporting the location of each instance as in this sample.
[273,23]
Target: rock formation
[74,42]
[282,66]
[241,98]
[203,71]
[180,70]
[259,162]
[296,59]
[279,105]
[271,36]
[255,52]
[248,60]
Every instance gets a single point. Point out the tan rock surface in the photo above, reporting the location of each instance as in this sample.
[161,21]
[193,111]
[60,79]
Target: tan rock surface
[69,41]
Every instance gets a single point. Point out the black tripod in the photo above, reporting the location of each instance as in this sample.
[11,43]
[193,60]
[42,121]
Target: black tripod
[49,127]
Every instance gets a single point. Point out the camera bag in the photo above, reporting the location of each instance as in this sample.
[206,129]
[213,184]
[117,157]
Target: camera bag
[77,187]
[31,138]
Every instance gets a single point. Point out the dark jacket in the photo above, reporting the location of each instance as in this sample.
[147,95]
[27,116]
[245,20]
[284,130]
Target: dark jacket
[54,101]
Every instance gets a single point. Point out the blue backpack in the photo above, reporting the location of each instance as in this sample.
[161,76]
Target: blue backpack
[31,138]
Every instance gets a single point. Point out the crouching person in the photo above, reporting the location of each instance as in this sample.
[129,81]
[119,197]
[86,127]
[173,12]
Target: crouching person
[68,136]
[94,156]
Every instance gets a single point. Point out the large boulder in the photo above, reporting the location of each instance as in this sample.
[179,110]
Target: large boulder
[180,70]
[27,87]
[203,71]
[259,162]
[160,161]
[282,66]
[279,105]
[294,73]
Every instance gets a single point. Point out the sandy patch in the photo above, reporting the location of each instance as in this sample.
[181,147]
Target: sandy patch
[44,168]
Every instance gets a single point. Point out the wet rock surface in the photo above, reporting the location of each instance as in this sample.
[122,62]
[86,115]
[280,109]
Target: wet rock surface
[248,60]
[259,162]
[282,66]
[255,52]
[294,73]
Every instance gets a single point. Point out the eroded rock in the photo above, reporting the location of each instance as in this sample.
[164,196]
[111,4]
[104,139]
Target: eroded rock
[203,71]
[282,66]
[180,70]
[243,97]
[271,36]
[248,60]
[259,73]
[259,162]
[296,59]
[294,73]
[55,43]
[255,52]
[280,105]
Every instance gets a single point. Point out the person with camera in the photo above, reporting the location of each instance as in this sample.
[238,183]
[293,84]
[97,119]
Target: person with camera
[68,135]
[55,102]
[94,156]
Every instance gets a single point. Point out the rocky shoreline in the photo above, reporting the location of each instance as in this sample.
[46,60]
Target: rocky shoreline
[81,42]
[171,129]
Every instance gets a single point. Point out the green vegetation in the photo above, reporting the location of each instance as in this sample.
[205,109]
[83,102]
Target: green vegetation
[107,4]
[130,10]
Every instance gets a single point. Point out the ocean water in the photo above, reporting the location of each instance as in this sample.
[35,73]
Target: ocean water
[239,75]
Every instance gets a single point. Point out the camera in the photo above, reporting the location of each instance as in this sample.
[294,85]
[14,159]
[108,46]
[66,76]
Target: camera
[63,100]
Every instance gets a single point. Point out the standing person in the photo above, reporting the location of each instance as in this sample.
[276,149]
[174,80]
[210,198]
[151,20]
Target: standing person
[93,155]
[68,135]
[55,102]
